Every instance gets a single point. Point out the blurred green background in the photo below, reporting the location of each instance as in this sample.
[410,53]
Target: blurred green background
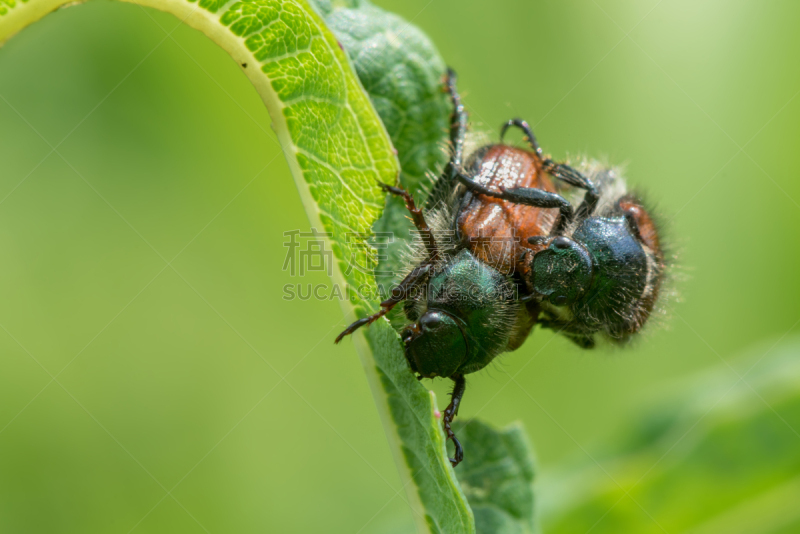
[143,200]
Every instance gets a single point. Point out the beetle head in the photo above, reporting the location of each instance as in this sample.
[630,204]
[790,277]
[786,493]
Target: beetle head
[436,344]
[604,274]
[465,319]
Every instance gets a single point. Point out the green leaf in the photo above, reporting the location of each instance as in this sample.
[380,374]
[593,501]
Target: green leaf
[402,72]
[719,454]
[497,477]
[338,149]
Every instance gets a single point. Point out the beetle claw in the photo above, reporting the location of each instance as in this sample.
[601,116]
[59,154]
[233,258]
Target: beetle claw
[459,452]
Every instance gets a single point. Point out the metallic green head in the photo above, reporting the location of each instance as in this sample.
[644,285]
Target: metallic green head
[436,345]
[468,308]
[600,274]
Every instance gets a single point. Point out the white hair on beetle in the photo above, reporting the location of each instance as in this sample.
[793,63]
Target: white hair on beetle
[474,140]
[440,221]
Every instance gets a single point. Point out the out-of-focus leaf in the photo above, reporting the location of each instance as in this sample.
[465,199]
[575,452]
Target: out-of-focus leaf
[338,151]
[719,455]
[497,477]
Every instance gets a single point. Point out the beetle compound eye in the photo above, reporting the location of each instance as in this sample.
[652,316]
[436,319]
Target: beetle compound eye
[410,332]
[562,272]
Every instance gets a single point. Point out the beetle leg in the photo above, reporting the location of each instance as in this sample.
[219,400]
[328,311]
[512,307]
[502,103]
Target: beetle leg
[528,196]
[526,129]
[399,294]
[567,174]
[450,413]
[458,121]
[560,171]
[418,218]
